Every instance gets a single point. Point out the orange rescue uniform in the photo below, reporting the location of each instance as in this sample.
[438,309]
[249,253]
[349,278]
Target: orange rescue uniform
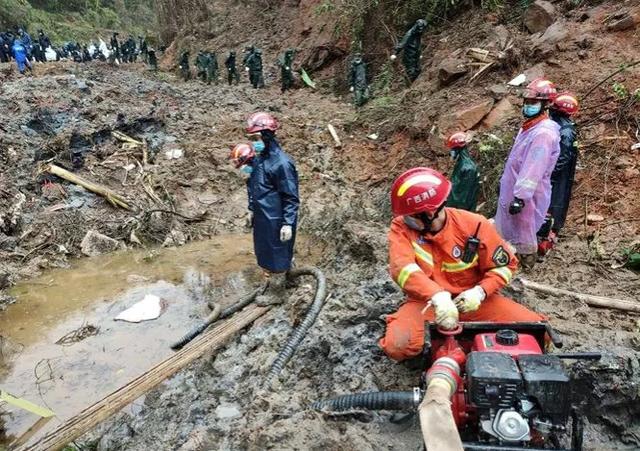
[424,264]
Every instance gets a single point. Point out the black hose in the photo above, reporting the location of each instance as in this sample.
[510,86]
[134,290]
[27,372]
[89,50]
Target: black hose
[298,335]
[381,400]
[193,333]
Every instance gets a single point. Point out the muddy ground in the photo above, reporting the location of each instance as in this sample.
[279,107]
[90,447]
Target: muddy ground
[218,402]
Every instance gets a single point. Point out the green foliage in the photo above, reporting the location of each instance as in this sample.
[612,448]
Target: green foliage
[492,153]
[622,92]
[632,256]
[325,7]
[83,20]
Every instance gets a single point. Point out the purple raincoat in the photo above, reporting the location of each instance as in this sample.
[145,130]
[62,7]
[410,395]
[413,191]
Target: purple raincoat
[527,175]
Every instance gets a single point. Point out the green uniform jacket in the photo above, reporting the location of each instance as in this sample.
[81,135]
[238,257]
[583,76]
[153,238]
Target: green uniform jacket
[466,183]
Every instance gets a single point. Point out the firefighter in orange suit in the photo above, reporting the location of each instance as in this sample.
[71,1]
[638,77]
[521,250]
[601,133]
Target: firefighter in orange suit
[450,263]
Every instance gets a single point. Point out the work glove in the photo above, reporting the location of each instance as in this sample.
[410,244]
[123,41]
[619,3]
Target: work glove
[446,311]
[351,89]
[516,206]
[246,69]
[469,301]
[393,57]
[286,233]
[287,68]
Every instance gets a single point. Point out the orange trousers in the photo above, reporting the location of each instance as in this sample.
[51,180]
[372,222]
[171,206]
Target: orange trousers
[404,337]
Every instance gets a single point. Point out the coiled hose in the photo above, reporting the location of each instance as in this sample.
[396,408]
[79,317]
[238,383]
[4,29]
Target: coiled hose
[218,314]
[298,335]
[381,400]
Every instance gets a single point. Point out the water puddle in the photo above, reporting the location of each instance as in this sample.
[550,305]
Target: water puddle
[95,355]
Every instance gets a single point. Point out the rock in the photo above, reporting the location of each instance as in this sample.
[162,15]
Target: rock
[582,54]
[465,119]
[621,21]
[584,41]
[450,70]
[554,34]
[499,91]
[115,437]
[501,36]
[95,243]
[8,243]
[591,218]
[534,72]
[228,412]
[83,87]
[501,112]
[174,238]
[539,16]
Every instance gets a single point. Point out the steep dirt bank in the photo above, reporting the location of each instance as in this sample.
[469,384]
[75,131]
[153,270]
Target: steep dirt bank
[217,403]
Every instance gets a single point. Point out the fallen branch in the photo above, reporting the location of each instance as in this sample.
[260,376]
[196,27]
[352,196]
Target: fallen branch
[114,199]
[589,299]
[609,77]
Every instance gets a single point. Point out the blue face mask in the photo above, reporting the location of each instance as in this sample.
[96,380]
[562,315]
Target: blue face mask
[531,110]
[246,169]
[258,146]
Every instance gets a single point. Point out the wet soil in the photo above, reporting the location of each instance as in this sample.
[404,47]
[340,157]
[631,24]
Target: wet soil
[218,402]
[62,347]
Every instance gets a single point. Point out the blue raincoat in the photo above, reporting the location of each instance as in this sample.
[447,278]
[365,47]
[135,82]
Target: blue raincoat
[273,198]
[19,52]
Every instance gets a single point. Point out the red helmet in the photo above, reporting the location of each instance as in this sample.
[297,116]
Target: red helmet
[261,121]
[419,190]
[242,154]
[541,89]
[566,103]
[456,140]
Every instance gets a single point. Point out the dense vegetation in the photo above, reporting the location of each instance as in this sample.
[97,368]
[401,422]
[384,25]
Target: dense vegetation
[78,19]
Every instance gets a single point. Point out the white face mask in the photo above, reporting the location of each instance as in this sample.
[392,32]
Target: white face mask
[453,154]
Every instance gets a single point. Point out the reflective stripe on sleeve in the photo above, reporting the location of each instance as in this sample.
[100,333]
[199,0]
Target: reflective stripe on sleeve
[422,254]
[406,272]
[503,272]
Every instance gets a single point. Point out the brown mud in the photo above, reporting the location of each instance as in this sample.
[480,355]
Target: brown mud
[218,402]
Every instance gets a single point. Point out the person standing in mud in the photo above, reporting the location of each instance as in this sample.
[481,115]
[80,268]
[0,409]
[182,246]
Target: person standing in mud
[525,185]
[411,44]
[4,49]
[144,49]
[232,70]
[274,202]
[115,48]
[153,60]
[184,66]
[254,63]
[44,40]
[212,70]
[358,81]
[465,179]
[202,66]
[286,70]
[19,53]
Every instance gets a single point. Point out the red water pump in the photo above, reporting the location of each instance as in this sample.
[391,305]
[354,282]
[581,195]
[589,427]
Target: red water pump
[510,394]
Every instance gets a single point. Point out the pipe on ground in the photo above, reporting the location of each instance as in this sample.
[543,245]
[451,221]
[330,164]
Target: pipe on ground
[298,335]
[385,400]
[216,314]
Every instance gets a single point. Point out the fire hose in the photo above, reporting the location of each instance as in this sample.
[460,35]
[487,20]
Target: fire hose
[438,426]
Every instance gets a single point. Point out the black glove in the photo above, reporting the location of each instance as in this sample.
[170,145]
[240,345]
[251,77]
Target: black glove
[516,206]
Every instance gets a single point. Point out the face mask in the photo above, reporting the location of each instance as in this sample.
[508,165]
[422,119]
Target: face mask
[246,169]
[258,146]
[531,110]
[454,154]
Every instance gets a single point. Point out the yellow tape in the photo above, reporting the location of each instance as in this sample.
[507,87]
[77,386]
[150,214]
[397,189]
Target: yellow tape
[26,405]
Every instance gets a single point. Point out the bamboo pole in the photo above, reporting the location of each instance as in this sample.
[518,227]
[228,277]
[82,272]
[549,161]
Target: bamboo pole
[589,299]
[117,400]
[115,199]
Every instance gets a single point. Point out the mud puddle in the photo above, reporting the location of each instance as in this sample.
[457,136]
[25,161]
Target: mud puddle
[61,347]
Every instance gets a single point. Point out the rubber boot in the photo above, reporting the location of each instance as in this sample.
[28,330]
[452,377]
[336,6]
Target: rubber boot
[276,292]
